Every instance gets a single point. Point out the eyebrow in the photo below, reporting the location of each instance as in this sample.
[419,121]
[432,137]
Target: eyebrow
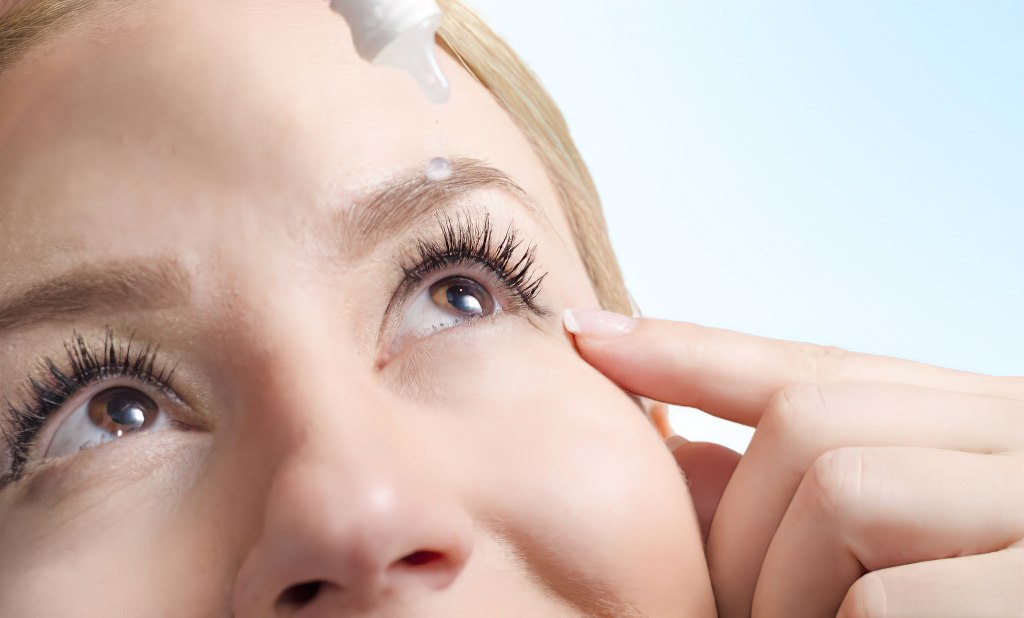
[378,215]
[23,28]
[144,285]
[401,202]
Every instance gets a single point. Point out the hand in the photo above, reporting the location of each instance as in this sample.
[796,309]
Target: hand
[872,486]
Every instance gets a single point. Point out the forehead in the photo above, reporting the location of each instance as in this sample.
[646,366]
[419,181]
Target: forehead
[188,109]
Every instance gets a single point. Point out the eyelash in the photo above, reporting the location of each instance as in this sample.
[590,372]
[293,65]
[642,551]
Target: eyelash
[87,365]
[462,241]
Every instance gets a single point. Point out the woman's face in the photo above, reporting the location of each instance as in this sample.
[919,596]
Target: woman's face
[334,394]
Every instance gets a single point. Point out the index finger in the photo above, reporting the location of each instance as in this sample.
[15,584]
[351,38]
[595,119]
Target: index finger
[733,375]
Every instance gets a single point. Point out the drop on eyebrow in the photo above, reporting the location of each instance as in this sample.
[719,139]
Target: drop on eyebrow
[438,168]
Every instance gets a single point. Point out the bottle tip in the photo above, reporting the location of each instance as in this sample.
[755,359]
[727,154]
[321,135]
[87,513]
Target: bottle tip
[415,54]
[430,77]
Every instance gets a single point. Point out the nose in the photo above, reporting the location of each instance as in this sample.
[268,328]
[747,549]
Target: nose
[355,515]
[352,540]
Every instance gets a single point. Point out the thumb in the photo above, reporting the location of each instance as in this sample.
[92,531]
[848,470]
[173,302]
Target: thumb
[708,468]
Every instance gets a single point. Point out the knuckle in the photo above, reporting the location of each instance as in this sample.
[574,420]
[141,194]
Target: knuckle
[834,482]
[827,362]
[794,417]
[865,599]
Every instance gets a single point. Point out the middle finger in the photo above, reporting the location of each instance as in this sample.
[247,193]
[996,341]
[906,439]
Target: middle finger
[802,423]
[879,507]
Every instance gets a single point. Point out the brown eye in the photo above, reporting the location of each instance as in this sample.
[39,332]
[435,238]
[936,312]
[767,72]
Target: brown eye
[120,411]
[465,296]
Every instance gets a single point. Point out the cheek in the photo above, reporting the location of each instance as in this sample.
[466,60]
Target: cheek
[564,460]
[111,575]
[94,526]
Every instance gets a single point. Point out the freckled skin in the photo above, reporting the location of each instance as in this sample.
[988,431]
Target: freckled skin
[210,132]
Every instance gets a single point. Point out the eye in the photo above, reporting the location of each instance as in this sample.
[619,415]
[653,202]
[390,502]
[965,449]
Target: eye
[444,304]
[462,296]
[108,415]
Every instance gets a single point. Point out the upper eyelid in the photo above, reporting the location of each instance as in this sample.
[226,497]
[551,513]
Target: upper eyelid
[473,231]
[415,287]
[87,364]
[465,222]
[81,397]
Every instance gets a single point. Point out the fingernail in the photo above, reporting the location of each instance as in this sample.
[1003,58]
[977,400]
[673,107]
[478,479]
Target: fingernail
[597,323]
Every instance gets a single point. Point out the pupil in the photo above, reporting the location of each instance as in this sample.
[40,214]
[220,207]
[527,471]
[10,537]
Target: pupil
[463,296]
[460,297]
[127,412]
[120,410]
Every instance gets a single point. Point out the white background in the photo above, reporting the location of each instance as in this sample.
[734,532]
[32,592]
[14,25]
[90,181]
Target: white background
[849,173]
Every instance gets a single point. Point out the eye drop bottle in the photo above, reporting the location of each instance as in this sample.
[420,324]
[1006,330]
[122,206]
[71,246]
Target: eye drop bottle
[398,33]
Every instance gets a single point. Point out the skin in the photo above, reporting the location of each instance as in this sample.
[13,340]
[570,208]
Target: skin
[873,486]
[453,474]
[485,469]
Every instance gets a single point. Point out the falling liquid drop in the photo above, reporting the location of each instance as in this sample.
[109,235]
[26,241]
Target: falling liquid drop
[438,168]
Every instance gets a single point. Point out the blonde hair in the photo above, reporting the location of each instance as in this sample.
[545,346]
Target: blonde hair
[491,62]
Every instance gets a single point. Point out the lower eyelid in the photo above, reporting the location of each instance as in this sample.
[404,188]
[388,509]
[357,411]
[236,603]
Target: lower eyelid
[56,477]
[398,346]
[116,466]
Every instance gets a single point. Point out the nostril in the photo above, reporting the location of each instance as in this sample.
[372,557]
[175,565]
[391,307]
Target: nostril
[299,595]
[418,558]
[436,569]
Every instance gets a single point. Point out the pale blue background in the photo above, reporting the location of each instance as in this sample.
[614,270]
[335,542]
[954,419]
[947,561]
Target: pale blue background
[849,173]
